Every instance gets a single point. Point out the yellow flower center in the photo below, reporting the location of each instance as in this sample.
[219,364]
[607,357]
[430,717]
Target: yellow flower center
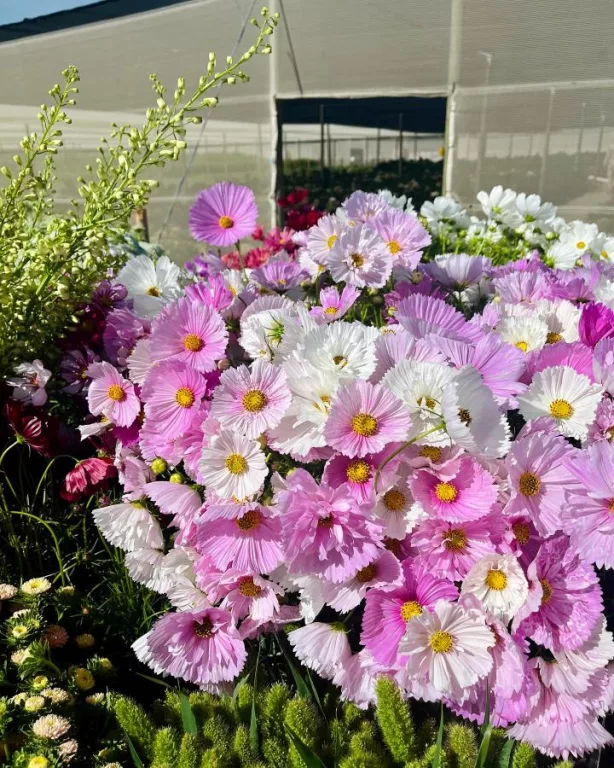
[546,590]
[153,291]
[364,424]
[455,539]
[358,471]
[529,484]
[426,401]
[580,245]
[522,345]
[236,464]
[496,580]
[367,574]
[254,400]
[193,343]
[611,506]
[203,628]
[410,610]
[248,589]
[115,392]
[225,222]
[394,500]
[441,642]
[446,492]
[330,311]
[553,338]
[326,522]
[561,409]
[250,520]
[522,533]
[357,260]
[331,241]
[185,397]
[432,452]
[394,247]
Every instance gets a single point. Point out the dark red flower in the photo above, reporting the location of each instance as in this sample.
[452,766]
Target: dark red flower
[27,426]
[89,476]
[298,196]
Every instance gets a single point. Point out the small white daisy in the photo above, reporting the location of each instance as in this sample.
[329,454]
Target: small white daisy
[233,466]
[129,526]
[566,396]
[35,586]
[527,332]
[150,285]
[345,349]
[499,584]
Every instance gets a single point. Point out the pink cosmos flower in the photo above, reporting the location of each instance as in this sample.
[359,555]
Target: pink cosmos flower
[361,206]
[189,333]
[87,478]
[450,549]
[359,473]
[448,649]
[279,240]
[324,530]
[457,271]
[172,393]
[334,305]
[30,382]
[249,543]
[391,348]
[539,479]
[279,275]
[251,400]
[464,492]
[574,355]
[360,257]
[564,602]
[180,501]
[364,418]
[383,573]
[201,647]
[251,595]
[603,426]
[112,395]
[389,612]
[213,293]
[223,214]
[587,514]
[603,364]
[404,235]
[122,330]
[596,323]
[423,315]
[321,647]
[73,369]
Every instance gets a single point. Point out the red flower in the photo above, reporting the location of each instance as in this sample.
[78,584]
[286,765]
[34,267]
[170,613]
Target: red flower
[28,427]
[298,196]
[303,219]
[258,233]
[86,478]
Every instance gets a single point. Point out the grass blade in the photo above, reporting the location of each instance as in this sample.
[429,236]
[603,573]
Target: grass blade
[484,747]
[505,756]
[138,763]
[439,744]
[308,756]
[187,716]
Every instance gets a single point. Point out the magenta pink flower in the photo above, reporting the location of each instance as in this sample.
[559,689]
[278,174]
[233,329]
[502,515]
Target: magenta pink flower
[190,333]
[539,479]
[564,603]
[403,234]
[388,612]
[172,393]
[249,543]
[201,647]
[364,418]
[87,477]
[251,400]
[250,595]
[461,492]
[383,573]
[223,214]
[450,549]
[359,473]
[596,323]
[112,395]
[334,305]
[423,315]
[325,531]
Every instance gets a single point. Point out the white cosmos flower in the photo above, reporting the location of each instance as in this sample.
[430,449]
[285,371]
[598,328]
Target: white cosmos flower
[140,362]
[420,385]
[273,326]
[499,584]
[233,466]
[150,285]
[566,396]
[302,427]
[562,319]
[144,567]
[395,506]
[129,526]
[360,257]
[525,332]
[498,202]
[345,349]
[472,416]
[562,254]
[322,237]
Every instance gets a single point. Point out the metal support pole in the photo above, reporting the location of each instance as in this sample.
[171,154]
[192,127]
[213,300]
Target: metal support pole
[400,144]
[378,145]
[322,140]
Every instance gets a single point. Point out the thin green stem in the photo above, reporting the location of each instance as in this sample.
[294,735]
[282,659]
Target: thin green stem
[56,543]
[402,448]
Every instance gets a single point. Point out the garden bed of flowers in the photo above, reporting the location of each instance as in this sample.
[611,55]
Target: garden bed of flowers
[341,500]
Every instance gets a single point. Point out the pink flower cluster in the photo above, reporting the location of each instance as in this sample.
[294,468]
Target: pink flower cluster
[424,453]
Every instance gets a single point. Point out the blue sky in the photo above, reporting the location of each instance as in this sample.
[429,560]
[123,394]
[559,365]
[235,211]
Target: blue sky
[17,10]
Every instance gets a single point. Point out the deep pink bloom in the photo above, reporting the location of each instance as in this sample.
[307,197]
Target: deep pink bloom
[403,234]
[278,240]
[212,292]
[364,418]
[87,478]
[462,492]
[564,603]
[112,395]
[190,333]
[324,530]
[201,647]
[422,315]
[574,355]
[278,275]
[388,612]
[596,323]
[172,393]
[359,473]
[603,426]
[122,331]
[334,305]
[383,573]
[223,214]
[73,369]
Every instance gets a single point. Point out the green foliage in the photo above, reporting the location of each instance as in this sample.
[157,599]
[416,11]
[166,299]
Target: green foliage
[303,717]
[462,745]
[49,261]
[165,749]
[189,752]
[524,757]
[137,724]
[395,721]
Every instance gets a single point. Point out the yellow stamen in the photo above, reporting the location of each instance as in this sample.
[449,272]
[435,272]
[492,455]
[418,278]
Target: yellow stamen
[248,589]
[236,464]
[185,397]
[331,241]
[225,222]
[561,409]
[553,338]
[529,484]
[522,345]
[357,260]
[326,522]
[250,520]
[581,245]
[446,492]
[441,642]
[153,291]
[522,533]
[410,610]
[203,628]
[193,343]
[367,574]
[546,590]
[394,500]
[330,311]
[358,471]
[496,580]
[394,247]
[254,400]
[455,540]
[364,424]
[432,452]
[116,393]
